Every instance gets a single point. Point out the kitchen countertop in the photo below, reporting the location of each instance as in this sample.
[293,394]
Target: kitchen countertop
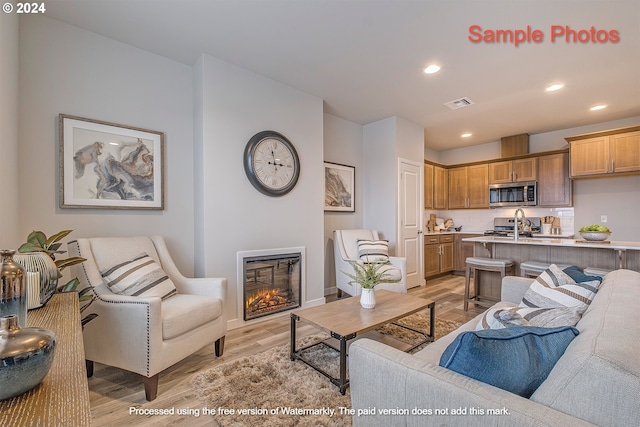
[481,233]
[615,244]
[438,233]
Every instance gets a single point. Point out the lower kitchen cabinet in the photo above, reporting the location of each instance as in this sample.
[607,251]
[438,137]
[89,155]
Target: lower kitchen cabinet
[438,254]
[463,250]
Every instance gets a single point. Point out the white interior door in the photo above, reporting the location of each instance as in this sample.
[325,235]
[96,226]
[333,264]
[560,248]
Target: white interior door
[410,214]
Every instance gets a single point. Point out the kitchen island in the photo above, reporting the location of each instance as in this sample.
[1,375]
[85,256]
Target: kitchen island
[610,255]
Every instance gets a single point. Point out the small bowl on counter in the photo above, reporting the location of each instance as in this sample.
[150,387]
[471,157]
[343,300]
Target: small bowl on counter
[595,236]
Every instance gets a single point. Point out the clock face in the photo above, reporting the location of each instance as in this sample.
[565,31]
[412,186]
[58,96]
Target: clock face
[271,163]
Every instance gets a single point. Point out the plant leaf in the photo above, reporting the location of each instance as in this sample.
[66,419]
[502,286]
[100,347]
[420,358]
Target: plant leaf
[62,263]
[88,318]
[71,286]
[30,247]
[57,237]
[54,248]
[37,238]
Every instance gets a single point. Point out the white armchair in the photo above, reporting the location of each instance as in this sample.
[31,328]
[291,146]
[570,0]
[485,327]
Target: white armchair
[345,248]
[148,334]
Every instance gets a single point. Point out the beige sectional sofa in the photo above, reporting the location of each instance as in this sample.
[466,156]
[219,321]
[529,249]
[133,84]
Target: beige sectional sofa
[595,382]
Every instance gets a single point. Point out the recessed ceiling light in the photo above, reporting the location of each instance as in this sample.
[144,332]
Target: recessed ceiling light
[466,135]
[432,69]
[554,87]
[598,107]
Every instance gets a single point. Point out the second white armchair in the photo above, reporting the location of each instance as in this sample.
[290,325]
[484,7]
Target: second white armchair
[345,247]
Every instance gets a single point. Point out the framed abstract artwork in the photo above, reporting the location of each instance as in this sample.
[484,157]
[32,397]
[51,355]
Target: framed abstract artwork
[339,187]
[110,166]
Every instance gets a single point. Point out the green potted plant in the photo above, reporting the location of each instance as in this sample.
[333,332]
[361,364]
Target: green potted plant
[37,241]
[368,275]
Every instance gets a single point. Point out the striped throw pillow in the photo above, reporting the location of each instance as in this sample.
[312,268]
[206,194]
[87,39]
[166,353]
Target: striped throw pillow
[373,250]
[498,318]
[140,277]
[554,288]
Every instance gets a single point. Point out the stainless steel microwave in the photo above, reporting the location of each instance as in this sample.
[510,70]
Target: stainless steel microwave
[513,194]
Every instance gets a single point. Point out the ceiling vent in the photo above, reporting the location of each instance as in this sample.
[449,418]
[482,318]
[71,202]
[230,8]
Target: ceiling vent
[458,103]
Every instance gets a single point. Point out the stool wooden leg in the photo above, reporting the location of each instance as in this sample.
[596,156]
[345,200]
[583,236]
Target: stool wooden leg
[466,288]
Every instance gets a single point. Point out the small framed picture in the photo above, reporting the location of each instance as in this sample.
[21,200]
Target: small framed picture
[110,166]
[339,188]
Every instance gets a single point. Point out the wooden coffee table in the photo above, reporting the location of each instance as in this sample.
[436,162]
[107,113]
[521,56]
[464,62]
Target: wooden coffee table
[345,319]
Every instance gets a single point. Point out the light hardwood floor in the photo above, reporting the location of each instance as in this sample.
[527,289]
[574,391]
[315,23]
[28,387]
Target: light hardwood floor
[114,392]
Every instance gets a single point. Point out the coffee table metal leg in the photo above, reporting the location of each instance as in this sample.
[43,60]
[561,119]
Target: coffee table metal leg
[342,382]
[432,320]
[294,318]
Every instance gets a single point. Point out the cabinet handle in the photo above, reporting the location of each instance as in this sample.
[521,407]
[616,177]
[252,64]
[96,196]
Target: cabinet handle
[613,166]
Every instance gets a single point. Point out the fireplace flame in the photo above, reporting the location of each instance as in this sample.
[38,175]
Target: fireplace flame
[267,299]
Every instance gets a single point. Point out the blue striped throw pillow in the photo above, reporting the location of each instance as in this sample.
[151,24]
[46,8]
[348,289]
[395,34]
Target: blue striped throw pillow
[140,277]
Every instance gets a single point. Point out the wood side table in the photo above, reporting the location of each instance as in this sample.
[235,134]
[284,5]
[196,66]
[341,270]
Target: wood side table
[62,399]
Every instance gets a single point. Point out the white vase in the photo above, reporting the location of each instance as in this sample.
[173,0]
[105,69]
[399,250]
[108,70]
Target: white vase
[367,298]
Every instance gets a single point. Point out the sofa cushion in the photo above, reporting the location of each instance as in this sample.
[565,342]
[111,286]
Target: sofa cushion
[499,318]
[579,276]
[183,313]
[140,276]
[517,359]
[555,288]
[373,250]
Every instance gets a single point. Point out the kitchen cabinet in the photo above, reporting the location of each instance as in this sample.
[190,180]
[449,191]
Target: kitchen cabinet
[440,188]
[468,187]
[513,171]
[462,251]
[438,254]
[605,153]
[435,187]
[554,184]
[428,186]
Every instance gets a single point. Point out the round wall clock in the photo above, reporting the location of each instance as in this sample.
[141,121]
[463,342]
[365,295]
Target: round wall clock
[271,163]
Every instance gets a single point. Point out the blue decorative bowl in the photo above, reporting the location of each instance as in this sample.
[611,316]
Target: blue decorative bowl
[25,356]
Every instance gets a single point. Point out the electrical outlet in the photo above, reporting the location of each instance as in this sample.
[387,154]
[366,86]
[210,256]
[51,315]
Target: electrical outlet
[603,218]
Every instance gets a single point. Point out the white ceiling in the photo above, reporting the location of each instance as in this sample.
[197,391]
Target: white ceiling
[365,58]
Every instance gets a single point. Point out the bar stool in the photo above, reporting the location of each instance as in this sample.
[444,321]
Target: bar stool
[482,264]
[535,268]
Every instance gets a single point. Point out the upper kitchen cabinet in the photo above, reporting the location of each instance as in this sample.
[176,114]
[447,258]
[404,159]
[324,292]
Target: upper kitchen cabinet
[468,187]
[554,184]
[440,188]
[513,171]
[428,186]
[436,189]
[605,153]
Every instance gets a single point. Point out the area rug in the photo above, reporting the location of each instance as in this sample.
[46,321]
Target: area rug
[268,389]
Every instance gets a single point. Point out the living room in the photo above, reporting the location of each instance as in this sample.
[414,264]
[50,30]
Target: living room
[208,110]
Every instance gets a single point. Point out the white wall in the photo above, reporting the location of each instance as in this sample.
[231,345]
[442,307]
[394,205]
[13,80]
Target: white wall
[9,236]
[380,178]
[343,145]
[409,140]
[64,69]
[616,197]
[235,105]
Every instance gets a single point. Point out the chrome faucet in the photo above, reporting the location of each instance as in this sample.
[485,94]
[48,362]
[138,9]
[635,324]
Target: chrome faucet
[515,223]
